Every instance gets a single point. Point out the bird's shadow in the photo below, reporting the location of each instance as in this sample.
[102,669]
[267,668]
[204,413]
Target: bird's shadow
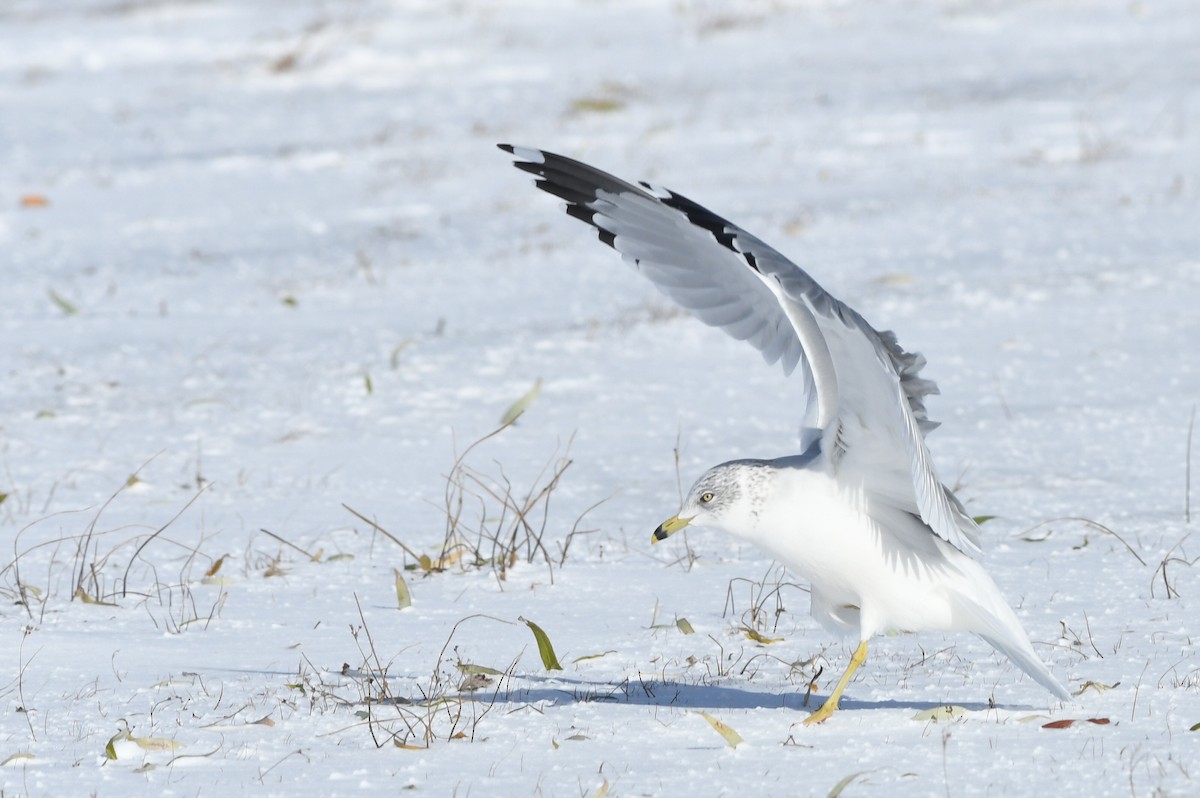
[528,689]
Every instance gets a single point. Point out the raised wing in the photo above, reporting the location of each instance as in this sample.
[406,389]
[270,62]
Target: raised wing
[863,392]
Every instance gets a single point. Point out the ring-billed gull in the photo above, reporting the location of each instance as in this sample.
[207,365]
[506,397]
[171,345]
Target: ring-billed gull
[860,513]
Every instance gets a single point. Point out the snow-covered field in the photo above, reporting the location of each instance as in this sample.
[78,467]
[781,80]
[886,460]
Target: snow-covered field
[266,257]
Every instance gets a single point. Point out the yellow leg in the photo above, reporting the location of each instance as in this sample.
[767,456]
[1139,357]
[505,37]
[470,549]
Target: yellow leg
[831,704]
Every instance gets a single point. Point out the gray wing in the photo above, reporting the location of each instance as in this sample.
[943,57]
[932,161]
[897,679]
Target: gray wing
[863,392]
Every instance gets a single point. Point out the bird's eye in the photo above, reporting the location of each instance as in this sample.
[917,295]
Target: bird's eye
[706,497]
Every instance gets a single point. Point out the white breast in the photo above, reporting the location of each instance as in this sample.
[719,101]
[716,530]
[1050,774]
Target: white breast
[872,568]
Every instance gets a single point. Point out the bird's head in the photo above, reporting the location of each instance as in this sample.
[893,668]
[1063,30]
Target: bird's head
[725,497]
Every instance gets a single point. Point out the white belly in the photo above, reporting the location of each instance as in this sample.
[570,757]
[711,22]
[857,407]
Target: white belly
[868,574]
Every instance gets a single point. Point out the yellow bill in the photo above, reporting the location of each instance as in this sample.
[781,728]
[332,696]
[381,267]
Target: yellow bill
[669,527]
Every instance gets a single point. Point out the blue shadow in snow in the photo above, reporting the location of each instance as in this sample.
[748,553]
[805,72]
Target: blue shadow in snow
[559,690]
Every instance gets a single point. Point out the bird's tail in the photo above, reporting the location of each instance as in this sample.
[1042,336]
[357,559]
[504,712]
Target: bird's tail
[996,623]
[1020,652]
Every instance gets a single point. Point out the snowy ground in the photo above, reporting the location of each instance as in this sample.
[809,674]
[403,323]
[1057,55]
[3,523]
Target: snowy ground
[266,256]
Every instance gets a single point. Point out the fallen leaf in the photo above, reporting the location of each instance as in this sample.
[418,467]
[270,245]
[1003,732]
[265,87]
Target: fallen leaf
[596,105]
[731,737]
[844,783]
[684,626]
[759,637]
[467,669]
[1059,724]
[34,201]
[944,712]
[156,743]
[1068,722]
[403,597]
[86,599]
[64,305]
[1097,686]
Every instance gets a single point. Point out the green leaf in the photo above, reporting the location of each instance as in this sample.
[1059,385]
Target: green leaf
[731,737]
[367,382]
[521,405]
[64,305]
[684,626]
[403,597]
[844,783]
[1195,728]
[110,750]
[549,660]
[982,519]
[586,657]
[397,350]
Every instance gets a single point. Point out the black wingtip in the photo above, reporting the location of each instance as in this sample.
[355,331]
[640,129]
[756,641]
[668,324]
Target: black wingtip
[510,149]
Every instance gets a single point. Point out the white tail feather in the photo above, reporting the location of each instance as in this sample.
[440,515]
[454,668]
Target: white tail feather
[998,625]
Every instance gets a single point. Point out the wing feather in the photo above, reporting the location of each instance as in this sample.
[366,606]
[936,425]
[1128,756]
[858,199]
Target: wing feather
[862,390]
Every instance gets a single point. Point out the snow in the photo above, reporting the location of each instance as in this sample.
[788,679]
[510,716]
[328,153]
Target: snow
[267,257]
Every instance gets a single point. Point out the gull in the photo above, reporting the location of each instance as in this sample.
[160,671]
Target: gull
[860,513]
